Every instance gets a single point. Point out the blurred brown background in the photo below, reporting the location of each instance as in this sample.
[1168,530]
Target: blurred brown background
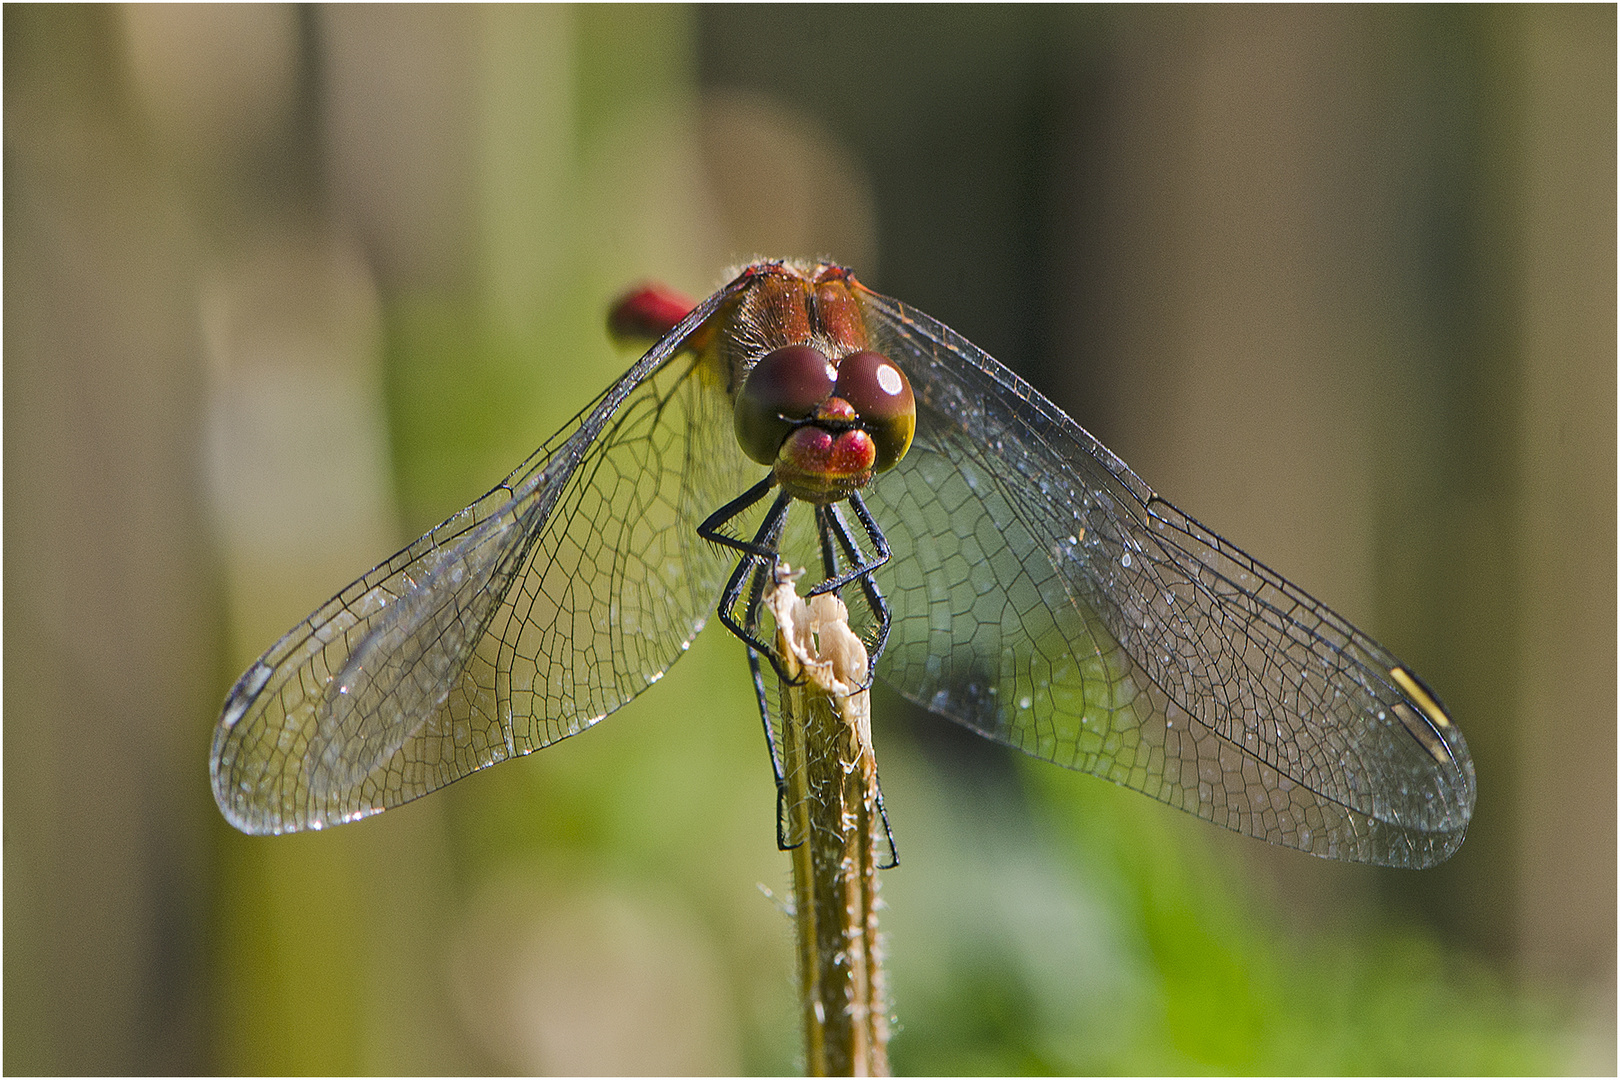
[285,286]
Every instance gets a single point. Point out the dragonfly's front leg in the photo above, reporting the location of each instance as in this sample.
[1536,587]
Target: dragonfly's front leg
[833,527]
[759,559]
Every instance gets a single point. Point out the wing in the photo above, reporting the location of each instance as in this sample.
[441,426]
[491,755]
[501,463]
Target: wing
[521,620]
[1045,597]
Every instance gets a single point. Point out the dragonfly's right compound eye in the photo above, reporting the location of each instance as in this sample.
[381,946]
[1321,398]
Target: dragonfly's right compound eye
[881,396]
[783,388]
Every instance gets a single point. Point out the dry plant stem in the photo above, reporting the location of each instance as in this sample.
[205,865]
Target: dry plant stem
[832,791]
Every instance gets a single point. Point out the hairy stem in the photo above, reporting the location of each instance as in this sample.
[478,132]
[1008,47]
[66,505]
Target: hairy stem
[833,797]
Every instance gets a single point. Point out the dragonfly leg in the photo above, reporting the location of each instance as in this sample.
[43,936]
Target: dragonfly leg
[729,600]
[710,527]
[888,834]
[833,526]
[783,826]
[855,555]
[757,567]
[829,556]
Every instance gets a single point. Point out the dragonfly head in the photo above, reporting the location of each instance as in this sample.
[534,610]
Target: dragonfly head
[825,426]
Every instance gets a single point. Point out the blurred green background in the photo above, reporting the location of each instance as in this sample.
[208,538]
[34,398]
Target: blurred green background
[285,286]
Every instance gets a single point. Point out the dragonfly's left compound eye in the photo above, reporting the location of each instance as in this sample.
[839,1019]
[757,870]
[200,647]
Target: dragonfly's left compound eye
[881,395]
[784,387]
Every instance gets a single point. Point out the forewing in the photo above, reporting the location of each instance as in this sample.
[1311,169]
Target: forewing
[525,618]
[1044,596]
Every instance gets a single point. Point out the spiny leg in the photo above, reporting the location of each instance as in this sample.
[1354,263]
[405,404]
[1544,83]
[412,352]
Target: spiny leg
[861,569]
[759,556]
[709,529]
[763,572]
[833,526]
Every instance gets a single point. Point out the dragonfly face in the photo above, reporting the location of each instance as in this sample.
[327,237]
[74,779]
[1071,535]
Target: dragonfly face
[818,405]
[1019,579]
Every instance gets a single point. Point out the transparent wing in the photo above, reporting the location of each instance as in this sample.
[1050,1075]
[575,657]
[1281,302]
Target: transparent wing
[521,620]
[1045,597]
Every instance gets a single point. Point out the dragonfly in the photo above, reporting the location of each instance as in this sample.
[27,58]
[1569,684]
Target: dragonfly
[1010,574]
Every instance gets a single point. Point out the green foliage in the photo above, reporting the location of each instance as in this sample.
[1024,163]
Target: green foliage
[1191,971]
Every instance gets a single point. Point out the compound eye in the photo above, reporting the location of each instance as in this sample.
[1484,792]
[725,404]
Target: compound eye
[881,395]
[783,388]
